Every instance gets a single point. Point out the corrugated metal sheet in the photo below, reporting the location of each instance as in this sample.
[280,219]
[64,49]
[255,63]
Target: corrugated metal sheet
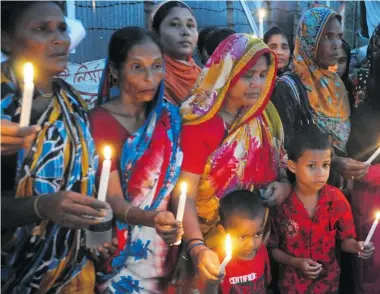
[209,13]
[101,22]
[240,19]
[111,15]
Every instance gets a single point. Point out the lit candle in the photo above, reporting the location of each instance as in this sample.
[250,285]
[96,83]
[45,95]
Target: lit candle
[181,206]
[261,22]
[106,168]
[228,254]
[372,230]
[374,155]
[27,95]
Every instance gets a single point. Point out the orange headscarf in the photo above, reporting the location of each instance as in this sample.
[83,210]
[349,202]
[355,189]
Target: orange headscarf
[180,76]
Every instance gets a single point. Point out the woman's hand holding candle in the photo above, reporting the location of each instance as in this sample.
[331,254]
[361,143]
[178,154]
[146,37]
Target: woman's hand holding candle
[349,168]
[374,156]
[14,138]
[167,227]
[365,251]
[208,264]
[67,209]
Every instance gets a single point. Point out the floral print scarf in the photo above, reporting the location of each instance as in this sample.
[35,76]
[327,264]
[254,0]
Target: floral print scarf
[326,91]
[249,155]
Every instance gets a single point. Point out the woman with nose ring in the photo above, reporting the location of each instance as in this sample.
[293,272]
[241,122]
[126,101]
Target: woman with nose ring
[176,26]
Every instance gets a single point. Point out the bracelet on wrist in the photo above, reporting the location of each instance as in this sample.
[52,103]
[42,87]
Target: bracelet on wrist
[192,240]
[35,205]
[195,245]
[126,213]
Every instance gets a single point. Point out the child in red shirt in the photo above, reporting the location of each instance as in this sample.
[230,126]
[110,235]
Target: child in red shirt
[243,216]
[306,225]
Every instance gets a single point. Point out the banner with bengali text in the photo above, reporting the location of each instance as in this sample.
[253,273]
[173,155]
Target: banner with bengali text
[85,78]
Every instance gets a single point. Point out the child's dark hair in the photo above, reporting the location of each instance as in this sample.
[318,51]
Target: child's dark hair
[215,37]
[309,137]
[243,203]
[347,49]
[202,36]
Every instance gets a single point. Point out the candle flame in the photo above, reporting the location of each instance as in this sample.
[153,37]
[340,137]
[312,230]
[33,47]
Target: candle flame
[378,215]
[228,245]
[28,73]
[107,152]
[184,188]
[262,13]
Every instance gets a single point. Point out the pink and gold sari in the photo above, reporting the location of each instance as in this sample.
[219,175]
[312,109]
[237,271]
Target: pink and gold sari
[252,150]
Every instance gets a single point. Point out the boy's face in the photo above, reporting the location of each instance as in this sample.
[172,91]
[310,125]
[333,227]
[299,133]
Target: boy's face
[247,235]
[312,169]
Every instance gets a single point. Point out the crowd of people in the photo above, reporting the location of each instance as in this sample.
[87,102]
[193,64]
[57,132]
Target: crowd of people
[272,143]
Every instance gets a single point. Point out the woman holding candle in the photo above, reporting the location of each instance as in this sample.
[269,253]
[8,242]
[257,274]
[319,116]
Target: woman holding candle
[42,207]
[143,132]
[232,139]
[363,142]
[313,93]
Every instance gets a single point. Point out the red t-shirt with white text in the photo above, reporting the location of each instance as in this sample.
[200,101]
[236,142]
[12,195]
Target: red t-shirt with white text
[248,276]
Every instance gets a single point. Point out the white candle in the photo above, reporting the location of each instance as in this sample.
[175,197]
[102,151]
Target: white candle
[104,177]
[228,257]
[181,206]
[27,95]
[261,22]
[373,157]
[372,230]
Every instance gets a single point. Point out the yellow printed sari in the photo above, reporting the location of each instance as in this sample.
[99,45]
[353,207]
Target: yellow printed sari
[252,150]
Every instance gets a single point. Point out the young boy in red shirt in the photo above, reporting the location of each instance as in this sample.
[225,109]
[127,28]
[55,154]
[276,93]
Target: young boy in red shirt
[306,225]
[243,216]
